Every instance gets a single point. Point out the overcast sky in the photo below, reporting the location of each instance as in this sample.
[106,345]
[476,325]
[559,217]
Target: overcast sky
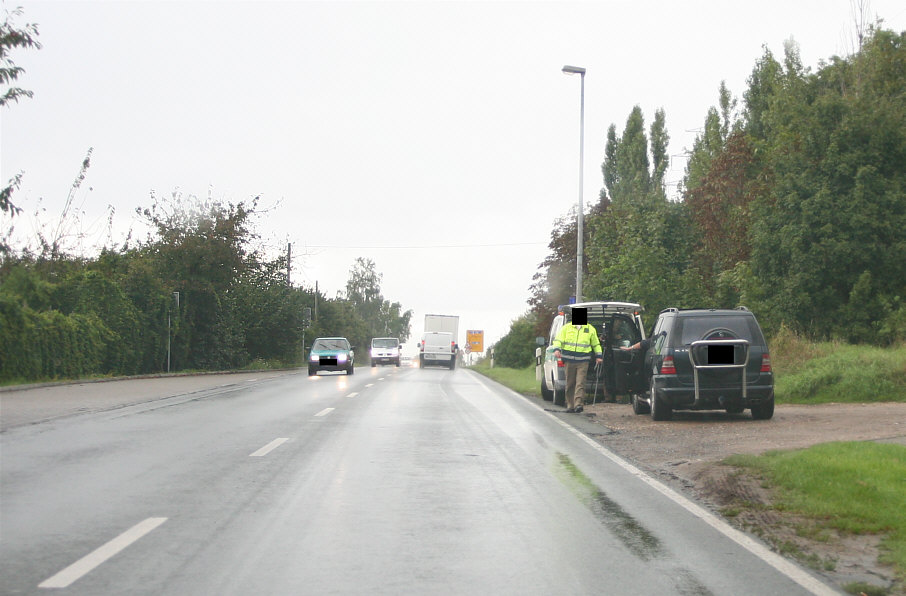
[387,130]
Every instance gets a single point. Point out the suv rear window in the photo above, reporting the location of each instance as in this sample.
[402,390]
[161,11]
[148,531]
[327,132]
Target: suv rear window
[693,328]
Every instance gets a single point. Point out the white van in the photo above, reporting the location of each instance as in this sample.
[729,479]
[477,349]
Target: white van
[385,350]
[619,324]
[437,348]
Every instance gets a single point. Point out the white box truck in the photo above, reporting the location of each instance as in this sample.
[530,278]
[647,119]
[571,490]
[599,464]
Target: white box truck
[440,342]
[445,323]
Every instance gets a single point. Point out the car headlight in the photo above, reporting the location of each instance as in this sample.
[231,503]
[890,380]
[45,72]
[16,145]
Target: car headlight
[341,357]
[313,358]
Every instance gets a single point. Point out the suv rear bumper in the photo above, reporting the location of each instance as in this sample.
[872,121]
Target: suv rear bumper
[682,397]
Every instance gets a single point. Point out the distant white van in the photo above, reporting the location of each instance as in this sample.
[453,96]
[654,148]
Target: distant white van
[385,350]
[437,348]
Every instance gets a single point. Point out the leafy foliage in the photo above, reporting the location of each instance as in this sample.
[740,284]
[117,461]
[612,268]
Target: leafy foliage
[195,280]
[13,37]
[379,317]
[794,206]
[516,349]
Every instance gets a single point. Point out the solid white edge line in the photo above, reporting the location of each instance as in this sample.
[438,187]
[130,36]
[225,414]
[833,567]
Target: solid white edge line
[269,447]
[324,412]
[87,563]
[807,581]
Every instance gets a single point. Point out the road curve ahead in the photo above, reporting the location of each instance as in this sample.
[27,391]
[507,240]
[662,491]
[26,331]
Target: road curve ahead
[389,481]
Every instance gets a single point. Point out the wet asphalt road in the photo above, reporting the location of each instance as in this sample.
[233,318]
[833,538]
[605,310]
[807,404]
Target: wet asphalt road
[389,481]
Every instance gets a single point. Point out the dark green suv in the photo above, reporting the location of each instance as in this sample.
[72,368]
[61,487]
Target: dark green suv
[705,359]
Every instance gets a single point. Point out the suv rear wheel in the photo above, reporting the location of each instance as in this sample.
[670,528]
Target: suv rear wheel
[764,410]
[659,409]
[638,405]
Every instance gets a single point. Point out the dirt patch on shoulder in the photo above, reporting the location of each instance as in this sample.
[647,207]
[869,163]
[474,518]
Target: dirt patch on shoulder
[686,453]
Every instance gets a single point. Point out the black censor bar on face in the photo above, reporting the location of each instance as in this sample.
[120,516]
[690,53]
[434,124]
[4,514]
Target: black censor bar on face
[580,316]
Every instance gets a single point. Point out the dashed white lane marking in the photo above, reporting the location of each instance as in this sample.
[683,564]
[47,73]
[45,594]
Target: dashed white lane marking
[324,412]
[84,565]
[812,584]
[269,447]
[353,394]
[370,385]
[381,379]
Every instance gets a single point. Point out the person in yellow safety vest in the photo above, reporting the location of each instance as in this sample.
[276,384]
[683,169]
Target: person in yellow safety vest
[574,345]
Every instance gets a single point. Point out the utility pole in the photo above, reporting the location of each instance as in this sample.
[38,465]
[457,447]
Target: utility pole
[289,262]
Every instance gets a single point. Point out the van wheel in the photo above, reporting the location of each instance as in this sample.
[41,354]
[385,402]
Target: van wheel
[546,394]
[659,409]
[764,411]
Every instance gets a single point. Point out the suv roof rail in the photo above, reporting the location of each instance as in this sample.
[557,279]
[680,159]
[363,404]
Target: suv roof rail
[741,307]
[671,309]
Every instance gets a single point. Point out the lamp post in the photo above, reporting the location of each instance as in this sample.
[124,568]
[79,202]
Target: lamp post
[176,297]
[580,256]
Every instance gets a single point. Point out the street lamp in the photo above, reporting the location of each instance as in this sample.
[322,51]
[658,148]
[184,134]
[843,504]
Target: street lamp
[580,256]
[176,297]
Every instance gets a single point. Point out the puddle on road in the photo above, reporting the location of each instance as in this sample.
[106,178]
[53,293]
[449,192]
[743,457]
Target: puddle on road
[627,529]
[636,537]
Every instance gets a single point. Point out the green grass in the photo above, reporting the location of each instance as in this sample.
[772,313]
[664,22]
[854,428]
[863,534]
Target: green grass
[814,373]
[858,488]
[520,380]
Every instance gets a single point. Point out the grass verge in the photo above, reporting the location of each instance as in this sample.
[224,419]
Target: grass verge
[857,488]
[520,380]
[823,372]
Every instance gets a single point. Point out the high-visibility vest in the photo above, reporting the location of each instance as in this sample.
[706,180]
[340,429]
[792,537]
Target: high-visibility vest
[576,343]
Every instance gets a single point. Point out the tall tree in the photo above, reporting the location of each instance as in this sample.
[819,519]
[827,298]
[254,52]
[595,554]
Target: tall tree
[660,157]
[381,317]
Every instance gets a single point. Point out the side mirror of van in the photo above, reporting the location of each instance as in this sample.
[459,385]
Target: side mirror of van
[540,341]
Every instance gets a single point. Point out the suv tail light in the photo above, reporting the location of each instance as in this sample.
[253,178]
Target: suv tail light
[667,366]
[765,362]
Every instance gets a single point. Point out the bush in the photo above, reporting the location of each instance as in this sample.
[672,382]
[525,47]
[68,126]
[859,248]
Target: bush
[516,349]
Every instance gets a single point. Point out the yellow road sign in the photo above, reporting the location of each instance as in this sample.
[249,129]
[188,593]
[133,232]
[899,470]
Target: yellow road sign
[475,339]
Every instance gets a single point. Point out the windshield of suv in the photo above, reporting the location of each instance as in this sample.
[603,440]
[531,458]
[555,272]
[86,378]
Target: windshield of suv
[384,343]
[693,328]
[330,344]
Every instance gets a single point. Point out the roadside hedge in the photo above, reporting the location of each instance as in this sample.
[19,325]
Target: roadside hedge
[49,344]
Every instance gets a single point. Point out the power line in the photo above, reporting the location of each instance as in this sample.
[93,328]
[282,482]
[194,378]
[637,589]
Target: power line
[424,246]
